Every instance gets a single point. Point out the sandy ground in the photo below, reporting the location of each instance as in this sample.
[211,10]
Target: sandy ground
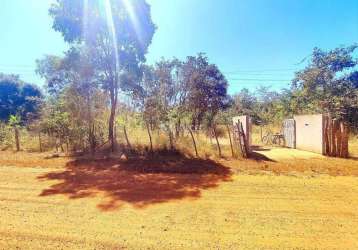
[255,204]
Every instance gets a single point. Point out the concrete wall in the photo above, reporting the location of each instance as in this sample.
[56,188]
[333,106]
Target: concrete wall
[309,133]
[246,125]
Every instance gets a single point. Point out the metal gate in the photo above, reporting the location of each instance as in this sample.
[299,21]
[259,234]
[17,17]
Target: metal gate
[289,133]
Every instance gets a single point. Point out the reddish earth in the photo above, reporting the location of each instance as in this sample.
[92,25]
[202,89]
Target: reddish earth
[280,200]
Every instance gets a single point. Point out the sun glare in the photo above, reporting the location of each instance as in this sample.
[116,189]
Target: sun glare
[112,29]
[133,16]
[131,12]
[85,19]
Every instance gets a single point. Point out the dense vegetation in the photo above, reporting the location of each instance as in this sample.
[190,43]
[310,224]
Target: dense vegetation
[102,86]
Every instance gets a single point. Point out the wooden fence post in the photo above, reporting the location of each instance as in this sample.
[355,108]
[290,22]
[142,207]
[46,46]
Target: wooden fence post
[336,136]
[217,140]
[241,139]
[326,145]
[344,141]
[231,146]
[339,133]
[245,142]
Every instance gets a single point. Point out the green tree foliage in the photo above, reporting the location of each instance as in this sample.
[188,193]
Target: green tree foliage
[205,89]
[71,81]
[18,99]
[117,36]
[328,84]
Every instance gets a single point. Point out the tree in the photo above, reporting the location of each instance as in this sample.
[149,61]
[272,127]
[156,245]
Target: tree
[245,103]
[162,95]
[328,84]
[71,79]
[18,99]
[14,121]
[206,89]
[19,103]
[117,32]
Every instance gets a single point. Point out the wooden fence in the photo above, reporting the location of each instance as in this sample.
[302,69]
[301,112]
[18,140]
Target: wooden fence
[335,137]
[241,140]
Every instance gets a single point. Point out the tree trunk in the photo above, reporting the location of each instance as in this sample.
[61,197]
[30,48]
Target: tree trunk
[177,129]
[150,137]
[126,136]
[91,126]
[67,146]
[56,144]
[17,141]
[194,143]
[111,128]
[40,143]
[114,98]
[61,146]
[231,146]
[193,124]
[91,138]
[217,140]
[334,137]
[170,134]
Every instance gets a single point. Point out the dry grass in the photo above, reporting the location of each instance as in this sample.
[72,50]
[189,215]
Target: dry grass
[294,200]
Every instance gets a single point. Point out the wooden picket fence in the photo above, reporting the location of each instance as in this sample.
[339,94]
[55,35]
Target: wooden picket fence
[335,137]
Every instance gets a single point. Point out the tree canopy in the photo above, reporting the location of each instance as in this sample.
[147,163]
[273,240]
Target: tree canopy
[115,34]
[18,99]
[328,84]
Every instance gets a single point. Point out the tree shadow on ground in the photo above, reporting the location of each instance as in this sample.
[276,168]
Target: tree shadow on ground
[140,181]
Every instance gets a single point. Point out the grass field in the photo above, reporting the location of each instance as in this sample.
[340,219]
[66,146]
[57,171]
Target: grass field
[285,199]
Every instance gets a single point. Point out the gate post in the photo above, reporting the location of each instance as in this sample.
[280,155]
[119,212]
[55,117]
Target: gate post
[247,129]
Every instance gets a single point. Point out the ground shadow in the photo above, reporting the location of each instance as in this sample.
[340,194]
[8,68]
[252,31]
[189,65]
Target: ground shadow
[354,158]
[260,157]
[139,181]
[255,155]
[259,148]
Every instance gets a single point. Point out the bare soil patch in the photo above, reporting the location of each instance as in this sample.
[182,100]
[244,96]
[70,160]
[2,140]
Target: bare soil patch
[178,203]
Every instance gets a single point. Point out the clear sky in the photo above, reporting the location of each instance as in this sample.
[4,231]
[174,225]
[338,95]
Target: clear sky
[254,42]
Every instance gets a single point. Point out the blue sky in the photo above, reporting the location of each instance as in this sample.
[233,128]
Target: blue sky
[254,42]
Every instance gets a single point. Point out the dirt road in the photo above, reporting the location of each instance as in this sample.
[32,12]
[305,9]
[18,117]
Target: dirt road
[76,208]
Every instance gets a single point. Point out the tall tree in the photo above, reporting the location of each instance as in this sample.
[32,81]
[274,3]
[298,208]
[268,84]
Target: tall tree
[206,89]
[117,32]
[328,84]
[71,80]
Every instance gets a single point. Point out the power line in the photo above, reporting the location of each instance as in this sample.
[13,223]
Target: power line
[261,80]
[257,74]
[24,67]
[261,70]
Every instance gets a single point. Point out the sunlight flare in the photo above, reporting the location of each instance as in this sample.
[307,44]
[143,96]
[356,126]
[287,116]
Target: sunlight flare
[128,5]
[85,19]
[112,30]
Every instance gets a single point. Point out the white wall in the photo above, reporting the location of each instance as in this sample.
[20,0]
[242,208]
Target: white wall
[309,133]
